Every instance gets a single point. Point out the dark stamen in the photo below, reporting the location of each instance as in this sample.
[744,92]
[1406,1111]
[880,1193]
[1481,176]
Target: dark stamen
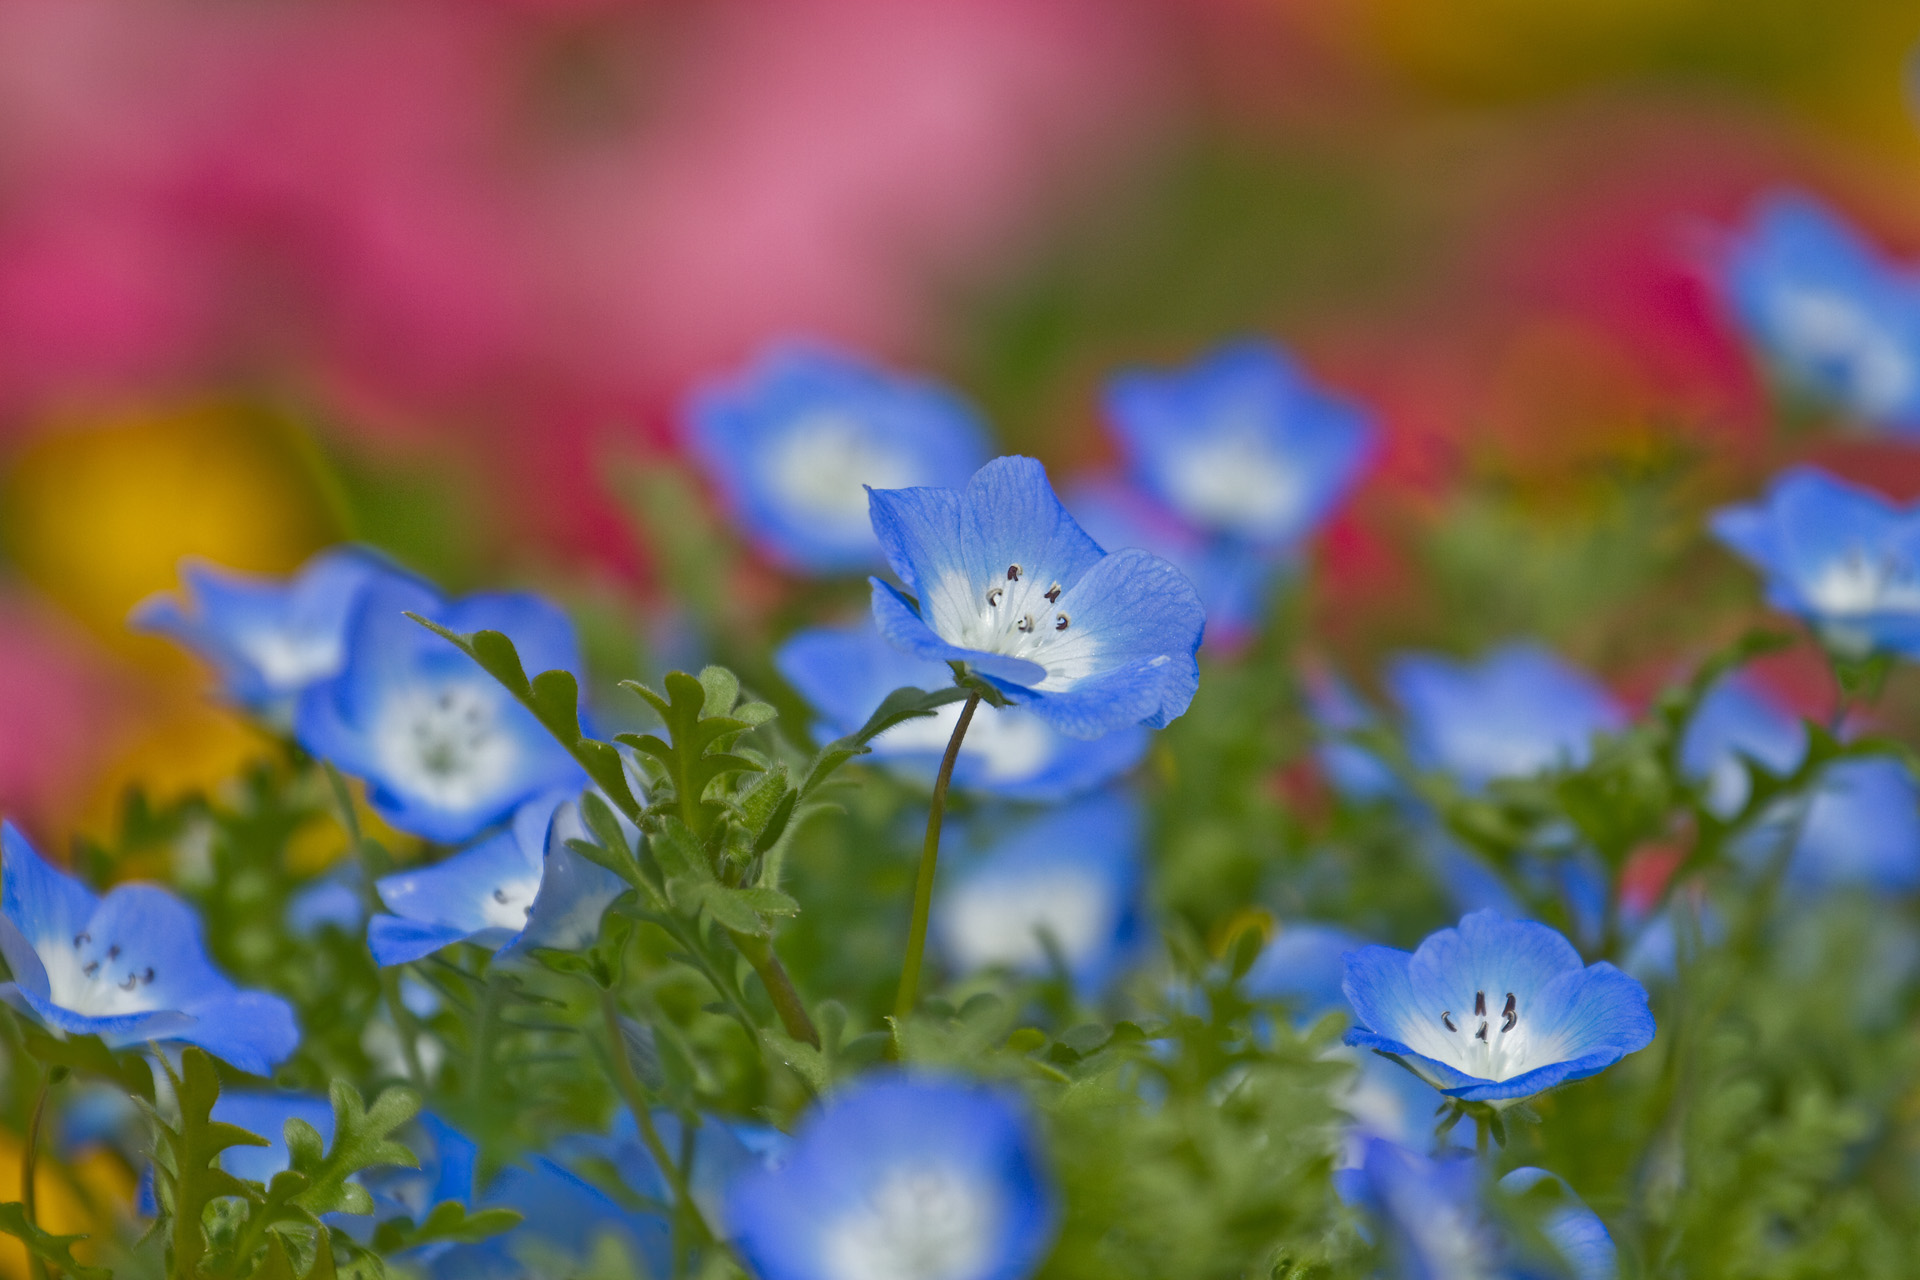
[1509,1009]
[993,598]
[147,977]
[92,969]
[1059,622]
[81,939]
[128,984]
[1481,1034]
[1053,594]
[1479,1004]
[1013,573]
[1512,1018]
[1025,624]
[1446,1020]
[500,896]
[113,952]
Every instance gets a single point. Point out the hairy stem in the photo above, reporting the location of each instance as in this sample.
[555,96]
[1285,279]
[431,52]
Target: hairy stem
[29,1162]
[909,994]
[686,1213]
[786,998]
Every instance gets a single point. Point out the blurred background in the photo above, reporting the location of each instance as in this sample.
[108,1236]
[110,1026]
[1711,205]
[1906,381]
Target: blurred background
[439,274]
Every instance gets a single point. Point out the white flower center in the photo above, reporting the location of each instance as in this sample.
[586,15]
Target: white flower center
[1011,745]
[95,978]
[1489,1036]
[1000,919]
[1860,583]
[445,744]
[508,905]
[1233,479]
[288,659]
[822,464]
[1825,331]
[921,1222]
[1022,613]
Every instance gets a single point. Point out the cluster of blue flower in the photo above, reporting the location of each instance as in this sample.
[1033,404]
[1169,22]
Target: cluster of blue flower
[1071,655]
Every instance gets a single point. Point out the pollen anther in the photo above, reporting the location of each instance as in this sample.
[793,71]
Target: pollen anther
[1059,622]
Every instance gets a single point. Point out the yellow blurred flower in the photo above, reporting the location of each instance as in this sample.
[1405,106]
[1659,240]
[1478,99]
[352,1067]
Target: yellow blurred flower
[83,1198]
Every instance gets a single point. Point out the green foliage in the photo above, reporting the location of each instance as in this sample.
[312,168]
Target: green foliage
[45,1246]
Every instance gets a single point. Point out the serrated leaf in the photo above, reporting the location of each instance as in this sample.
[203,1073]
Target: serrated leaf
[808,1061]
[448,1222]
[722,691]
[754,714]
[770,902]
[730,908]
[360,1141]
[186,1177]
[51,1248]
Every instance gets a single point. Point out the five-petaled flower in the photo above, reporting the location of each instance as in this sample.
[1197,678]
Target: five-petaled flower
[268,638]
[445,750]
[792,443]
[1008,584]
[1829,311]
[901,1178]
[519,888]
[1242,444]
[1009,752]
[1496,1010]
[1067,884]
[1842,557]
[128,967]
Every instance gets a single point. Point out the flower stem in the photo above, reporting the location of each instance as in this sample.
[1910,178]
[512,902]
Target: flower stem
[909,993]
[29,1161]
[687,1213]
[786,998]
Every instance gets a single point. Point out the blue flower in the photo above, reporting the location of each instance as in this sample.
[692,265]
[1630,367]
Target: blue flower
[1353,771]
[902,1178]
[1234,579]
[1832,315]
[1008,752]
[519,888]
[1496,1010]
[1859,824]
[1241,444]
[129,967]
[1842,557]
[1438,1225]
[1071,879]
[1734,727]
[445,750]
[792,442]
[1008,584]
[268,638]
[1518,712]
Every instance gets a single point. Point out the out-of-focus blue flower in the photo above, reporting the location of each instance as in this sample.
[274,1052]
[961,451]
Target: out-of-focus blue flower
[1234,579]
[793,441]
[266,1114]
[268,638]
[334,901]
[1828,311]
[1734,727]
[445,750]
[845,672]
[1437,1224]
[1860,823]
[1242,443]
[518,888]
[1353,771]
[127,967]
[719,1153]
[1008,584]
[1517,712]
[1842,557]
[1303,967]
[1071,879]
[1496,1010]
[899,1176]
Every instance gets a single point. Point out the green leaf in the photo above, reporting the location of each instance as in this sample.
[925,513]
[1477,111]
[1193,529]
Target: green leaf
[45,1245]
[447,1222]
[722,689]
[901,705]
[360,1140]
[807,1061]
[694,754]
[730,907]
[185,1178]
[89,1056]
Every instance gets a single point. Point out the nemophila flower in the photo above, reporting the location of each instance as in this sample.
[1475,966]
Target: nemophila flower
[1831,314]
[269,638]
[1242,443]
[1441,1220]
[1496,1010]
[1844,558]
[715,1154]
[519,888]
[902,1178]
[1353,771]
[793,441]
[1235,580]
[845,672]
[445,751]
[127,967]
[1068,882]
[1517,712]
[1859,823]
[1008,584]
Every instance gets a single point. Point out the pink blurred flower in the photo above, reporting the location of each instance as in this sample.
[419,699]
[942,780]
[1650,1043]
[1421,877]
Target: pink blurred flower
[62,705]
